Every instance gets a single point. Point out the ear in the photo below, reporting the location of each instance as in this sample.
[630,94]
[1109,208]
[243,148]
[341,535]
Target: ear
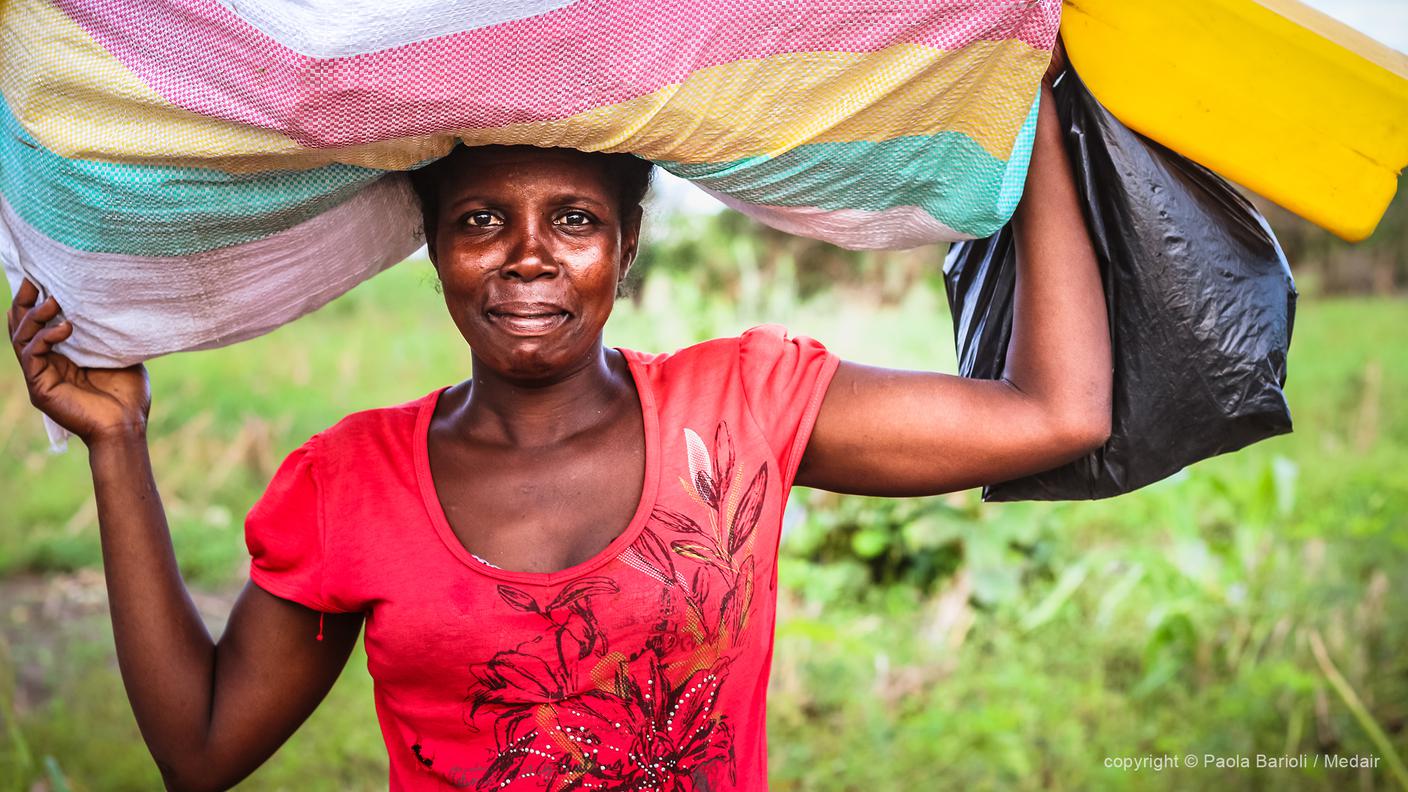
[430,245]
[630,241]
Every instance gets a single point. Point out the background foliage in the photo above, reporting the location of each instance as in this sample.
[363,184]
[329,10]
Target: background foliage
[1251,604]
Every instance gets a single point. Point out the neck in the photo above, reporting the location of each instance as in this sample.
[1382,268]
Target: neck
[531,415]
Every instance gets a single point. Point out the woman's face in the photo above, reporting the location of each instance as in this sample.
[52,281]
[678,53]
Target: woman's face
[530,245]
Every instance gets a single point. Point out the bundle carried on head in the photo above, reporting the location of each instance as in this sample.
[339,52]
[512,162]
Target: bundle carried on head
[185,174]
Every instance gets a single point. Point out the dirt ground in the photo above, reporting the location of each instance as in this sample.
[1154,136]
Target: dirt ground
[46,616]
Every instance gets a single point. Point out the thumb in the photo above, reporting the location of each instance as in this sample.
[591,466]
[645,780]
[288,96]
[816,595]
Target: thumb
[1058,62]
[34,358]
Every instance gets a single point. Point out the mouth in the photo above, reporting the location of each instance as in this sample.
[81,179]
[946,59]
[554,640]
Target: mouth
[528,319]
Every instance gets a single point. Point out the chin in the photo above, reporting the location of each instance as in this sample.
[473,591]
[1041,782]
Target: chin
[533,359]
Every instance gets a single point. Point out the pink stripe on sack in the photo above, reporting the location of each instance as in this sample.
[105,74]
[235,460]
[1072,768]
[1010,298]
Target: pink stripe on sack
[200,56]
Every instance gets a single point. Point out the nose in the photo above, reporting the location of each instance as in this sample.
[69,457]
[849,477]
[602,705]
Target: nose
[529,258]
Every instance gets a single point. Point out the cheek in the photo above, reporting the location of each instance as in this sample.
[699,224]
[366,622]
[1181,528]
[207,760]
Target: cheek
[593,268]
[456,282]
[461,290]
[462,274]
[588,270]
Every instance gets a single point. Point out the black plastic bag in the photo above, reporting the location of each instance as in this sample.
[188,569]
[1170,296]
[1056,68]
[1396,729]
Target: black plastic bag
[1200,298]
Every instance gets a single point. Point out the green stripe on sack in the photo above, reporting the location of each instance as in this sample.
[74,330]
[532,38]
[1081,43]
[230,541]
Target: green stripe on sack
[947,174]
[151,210]
[157,210]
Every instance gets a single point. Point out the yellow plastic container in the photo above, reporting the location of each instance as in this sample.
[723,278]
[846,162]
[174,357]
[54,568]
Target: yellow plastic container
[1271,94]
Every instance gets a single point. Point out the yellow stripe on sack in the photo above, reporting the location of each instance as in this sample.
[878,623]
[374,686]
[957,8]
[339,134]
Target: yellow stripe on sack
[79,101]
[730,111]
[1271,94]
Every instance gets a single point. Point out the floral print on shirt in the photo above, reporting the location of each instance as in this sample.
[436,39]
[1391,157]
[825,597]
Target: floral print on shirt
[574,711]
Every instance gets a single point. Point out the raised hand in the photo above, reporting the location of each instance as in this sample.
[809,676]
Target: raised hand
[1058,63]
[92,403]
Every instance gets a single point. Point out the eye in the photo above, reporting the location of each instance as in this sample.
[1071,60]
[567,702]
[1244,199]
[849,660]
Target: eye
[482,218]
[574,217]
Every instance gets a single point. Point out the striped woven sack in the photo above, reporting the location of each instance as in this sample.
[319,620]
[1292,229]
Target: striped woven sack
[185,174]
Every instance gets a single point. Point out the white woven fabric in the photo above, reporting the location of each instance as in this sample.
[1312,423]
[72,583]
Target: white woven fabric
[126,309]
[338,28]
[854,229]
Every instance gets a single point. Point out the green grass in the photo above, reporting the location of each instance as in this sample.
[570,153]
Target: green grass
[1175,620]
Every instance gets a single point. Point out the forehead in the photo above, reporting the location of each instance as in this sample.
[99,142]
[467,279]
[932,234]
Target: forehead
[525,169]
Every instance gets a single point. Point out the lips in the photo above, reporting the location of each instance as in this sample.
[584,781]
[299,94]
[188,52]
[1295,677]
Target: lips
[528,318]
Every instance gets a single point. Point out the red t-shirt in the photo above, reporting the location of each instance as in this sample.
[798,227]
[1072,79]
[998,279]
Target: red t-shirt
[645,667]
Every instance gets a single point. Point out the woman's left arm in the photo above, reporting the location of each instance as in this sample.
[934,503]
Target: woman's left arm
[901,433]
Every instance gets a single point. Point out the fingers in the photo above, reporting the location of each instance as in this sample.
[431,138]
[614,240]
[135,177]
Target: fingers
[34,359]
[1058,62]
[31,340]
[27,294]
[32,320]
[45,339]
[24,300]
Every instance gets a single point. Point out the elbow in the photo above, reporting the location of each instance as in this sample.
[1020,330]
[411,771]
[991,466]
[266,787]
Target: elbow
[1084,432]
[1084,420]
[176,780]
[193,777]
[190,784]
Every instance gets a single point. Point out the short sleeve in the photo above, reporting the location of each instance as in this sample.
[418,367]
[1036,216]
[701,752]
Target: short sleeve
[784,381]
[284,534]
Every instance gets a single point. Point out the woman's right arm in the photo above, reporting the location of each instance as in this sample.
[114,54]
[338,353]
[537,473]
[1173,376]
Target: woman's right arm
[210,712]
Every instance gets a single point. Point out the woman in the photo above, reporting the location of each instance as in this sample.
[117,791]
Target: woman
[567,563]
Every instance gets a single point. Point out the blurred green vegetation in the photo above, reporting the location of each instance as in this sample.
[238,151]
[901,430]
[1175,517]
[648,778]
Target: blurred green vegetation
[1325,264]
[922,643]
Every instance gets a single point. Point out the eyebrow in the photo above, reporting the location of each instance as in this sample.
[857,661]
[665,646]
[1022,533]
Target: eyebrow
[559,199]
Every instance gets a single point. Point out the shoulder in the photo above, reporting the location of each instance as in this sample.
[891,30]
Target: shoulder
[759,344]
[379,419]
[756,368]
[383,429]
[766,379]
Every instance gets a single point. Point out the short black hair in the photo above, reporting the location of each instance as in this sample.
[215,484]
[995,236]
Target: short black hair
[631,174]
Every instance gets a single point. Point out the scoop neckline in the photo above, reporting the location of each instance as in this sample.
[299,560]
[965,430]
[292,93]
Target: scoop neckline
[431,498]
